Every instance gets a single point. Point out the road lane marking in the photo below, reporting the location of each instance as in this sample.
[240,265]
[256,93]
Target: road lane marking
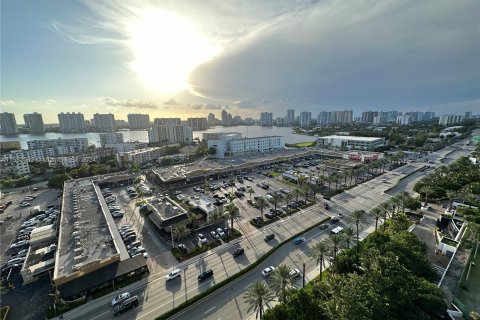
[211,309]
[99,315]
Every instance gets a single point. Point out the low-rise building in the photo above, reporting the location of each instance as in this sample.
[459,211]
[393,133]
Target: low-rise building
[110,138]
[139,156]
[77,159]
[230,145]
[126,146]
[9,145]
[14,168]
[78,144]
[350,142]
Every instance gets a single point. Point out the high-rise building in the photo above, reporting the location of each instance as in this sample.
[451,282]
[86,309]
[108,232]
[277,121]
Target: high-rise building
[138,121]
[266,119]
[368,116]
[71,122]
[110,138]
[249,121]
[449,119]
[227,119]
[104,121]
[167,121]
[345,116]
[34,122]
[197,123]
[428,115]
[290,119]
[170,133]
[404,119]
[305,118]
[468,114]
[8,124]
[211,120]
[332,117]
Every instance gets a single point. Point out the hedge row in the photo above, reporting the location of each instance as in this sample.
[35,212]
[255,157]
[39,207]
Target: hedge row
[217,286]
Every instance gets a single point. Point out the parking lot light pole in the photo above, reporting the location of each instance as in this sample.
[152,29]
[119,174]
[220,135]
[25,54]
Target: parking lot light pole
[303,265]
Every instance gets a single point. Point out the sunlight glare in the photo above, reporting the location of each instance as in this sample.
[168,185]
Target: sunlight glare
[166,48]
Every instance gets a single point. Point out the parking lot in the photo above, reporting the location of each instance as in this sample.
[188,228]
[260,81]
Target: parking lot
[12,219]
[143,235]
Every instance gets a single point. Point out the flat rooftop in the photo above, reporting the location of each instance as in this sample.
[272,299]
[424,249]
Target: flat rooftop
[84,233]
[208,166]
[166,208]
[353,138]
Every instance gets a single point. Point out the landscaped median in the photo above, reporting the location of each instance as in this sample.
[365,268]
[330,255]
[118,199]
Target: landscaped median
[237,275]
[404,178]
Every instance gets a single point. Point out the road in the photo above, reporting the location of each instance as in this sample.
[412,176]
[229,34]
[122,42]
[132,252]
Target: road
[158,296]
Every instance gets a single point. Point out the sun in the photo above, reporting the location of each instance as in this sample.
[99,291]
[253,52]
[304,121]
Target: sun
[166,49]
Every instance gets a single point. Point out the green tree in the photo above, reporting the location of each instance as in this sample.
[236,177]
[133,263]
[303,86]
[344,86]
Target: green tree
[348,235]
[280,281]
[319,252]
[262,203]
[257,296]
[180,232]
[358,217]
[276,198]
[231,213]
[376,213]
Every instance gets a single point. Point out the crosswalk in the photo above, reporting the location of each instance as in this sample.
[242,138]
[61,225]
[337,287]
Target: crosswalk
[438,269]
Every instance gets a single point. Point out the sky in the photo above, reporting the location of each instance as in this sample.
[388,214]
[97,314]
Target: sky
[189,58]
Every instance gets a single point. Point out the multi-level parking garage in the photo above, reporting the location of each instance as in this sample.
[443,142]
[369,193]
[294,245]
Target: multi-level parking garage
[90,253]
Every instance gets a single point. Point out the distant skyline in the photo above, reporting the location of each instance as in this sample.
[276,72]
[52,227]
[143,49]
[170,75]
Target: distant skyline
[190,58]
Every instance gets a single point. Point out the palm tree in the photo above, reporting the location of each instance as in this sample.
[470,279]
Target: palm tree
[276,199]
[427,190]
[318,252]
[288,198]
[257,296]
[395,201]
[451,194]
[250,191]
[180,232]
[231,213]
[403,196]
[335,241]
[280,281]
[385,207]
[376,213]
[193,220]
[359,217]
[262,203]
[296,193]
[348,236]
[301,180]
[216,218]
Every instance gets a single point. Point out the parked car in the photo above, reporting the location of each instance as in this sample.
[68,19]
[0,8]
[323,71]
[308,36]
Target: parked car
[269,237]
[214,235]
[202,238]
[182,248]
[323,226]
[120,298]
[268,271]
[294,273]
[220,232]
[173,274]
[238,251]
[205,274]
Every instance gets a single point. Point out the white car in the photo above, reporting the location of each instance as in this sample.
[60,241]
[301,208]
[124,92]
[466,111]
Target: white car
[294,273]
[120,298]
[214,235]
[267,271]
[220,232]
[174,274]
[202,238]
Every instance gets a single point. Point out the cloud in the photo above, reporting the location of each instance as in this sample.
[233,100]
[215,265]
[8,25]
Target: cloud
[7,103]
[171,102]
[197,106]
[211,106]
[367,54]
[129,103]
[245,104]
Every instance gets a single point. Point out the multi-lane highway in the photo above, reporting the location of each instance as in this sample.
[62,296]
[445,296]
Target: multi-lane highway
[157,296]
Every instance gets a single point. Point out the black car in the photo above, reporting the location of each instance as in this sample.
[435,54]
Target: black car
[269,215]
[182,248]
[205,274]
[238,252]
[326,206]
[269,237]
[130,303]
